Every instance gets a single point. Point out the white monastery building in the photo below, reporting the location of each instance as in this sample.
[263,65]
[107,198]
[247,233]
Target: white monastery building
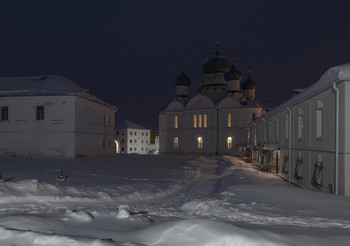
[209,122]
[51,115]
[307,138]
[131,138]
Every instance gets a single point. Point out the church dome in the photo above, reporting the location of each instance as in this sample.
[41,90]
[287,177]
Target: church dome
[216,63]
[249,83]
[233,73]
[183,79]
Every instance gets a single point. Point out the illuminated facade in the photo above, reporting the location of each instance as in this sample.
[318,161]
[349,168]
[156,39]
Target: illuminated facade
[51,115]
[209,122]
[307,138]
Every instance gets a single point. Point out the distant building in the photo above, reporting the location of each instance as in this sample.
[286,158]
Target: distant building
[209,122]
[307,138]
[51,115]
[131,138]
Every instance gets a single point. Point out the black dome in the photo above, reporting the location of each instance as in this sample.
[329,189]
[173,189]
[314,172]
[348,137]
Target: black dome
[233,74]
[249,83]
[216,64]
[183,79]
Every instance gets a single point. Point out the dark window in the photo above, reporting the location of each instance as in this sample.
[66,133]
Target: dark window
[123,149]
[40,112]
[135,141]
[117,133]
[130,140]
[130,149]
[135,149]
[135,133]
[130,133]
[4,113]
[110,121]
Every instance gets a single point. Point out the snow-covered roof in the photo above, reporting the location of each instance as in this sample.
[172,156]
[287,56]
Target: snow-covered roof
[43,86]
[333,74]
[123,124]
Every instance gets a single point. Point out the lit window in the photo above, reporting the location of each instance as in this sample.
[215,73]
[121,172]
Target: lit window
[199,121]
[194,121]
[229,120]
[205,120]
[319,119]
[176,121]
[300,123]
[4,113]
[199,143]
[229,143]
[39,112]
[176,142]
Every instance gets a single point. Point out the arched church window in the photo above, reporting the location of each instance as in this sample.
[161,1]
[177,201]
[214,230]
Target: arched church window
[229,143]
[205,120]
[229,120]
[199,121]
[176,121]
[199,143]
[194,121]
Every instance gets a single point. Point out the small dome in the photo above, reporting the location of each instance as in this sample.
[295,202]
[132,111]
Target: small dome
[233,74]
[249,83]
[183,79]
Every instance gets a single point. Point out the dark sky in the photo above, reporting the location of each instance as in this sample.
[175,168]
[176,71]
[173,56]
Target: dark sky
[130,52]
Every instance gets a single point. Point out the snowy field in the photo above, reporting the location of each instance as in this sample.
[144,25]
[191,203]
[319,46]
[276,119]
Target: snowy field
[161,200]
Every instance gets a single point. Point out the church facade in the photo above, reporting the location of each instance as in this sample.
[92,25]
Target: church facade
[209,122]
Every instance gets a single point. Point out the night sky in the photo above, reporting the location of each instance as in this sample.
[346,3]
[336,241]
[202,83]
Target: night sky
[130,52]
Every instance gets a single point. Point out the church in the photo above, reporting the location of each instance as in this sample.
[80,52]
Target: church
[209,123]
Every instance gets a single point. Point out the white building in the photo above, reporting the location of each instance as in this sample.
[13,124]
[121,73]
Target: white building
[209,122]
[131,138]
[307,138]
[51,115]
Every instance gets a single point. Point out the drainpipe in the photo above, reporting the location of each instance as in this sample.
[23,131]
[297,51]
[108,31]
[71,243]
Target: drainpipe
[217,132]
[336,178]
[290,145]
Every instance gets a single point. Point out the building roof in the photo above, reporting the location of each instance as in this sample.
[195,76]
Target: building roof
[333,74]
[123,124]
[45,86]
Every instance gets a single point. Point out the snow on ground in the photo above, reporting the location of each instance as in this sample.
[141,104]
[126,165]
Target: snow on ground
[161,200]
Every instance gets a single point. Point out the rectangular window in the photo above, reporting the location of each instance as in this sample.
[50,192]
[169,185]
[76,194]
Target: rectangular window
[130,140]
[176,143]
[229,120]
[229,143]
[4,113]
[135,141]
[135,149]
[194,121]
[130,149]
[176,122]
[199,121]
[130,133]
[40,112]
[199,143]
[135,133]
[319,113]
[286,127]
[205,120]
[300,126]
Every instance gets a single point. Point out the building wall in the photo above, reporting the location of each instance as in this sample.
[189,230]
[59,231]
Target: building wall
[134,141]
[23,134]
[214,136]
[72,126]
[94,128]
[297,139]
